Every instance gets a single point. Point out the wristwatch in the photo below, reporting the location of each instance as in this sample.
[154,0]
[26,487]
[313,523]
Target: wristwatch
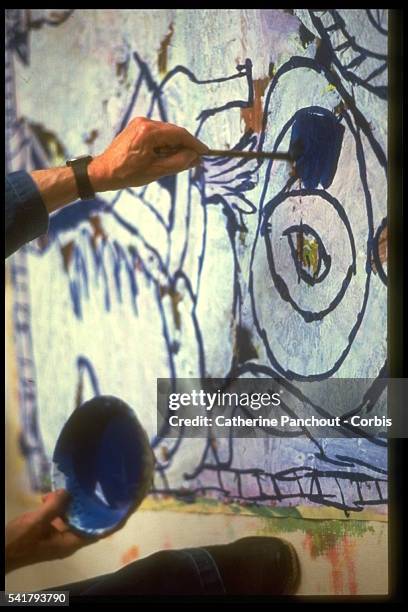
[80,167]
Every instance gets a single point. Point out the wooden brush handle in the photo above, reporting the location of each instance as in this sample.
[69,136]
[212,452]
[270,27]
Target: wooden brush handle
[166,151]
[248,154]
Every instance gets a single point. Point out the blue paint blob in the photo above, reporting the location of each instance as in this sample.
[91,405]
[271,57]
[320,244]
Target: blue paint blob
[103,458]
[315,143]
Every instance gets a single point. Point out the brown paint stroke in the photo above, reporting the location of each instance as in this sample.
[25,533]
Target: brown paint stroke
[98,231]
[79,391]
[165,454]
[336,568]
[382,249]
[162,55]
[175,297]
[253,115]
[67,252]
[299,246]
[244,349]
[92,136]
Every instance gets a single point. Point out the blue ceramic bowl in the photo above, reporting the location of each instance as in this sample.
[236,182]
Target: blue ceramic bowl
[104,460]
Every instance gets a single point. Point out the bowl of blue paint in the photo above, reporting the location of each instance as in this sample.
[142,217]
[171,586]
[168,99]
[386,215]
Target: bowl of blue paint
[104,460]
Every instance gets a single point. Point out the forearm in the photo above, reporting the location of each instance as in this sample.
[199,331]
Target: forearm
[131,160]
[57,186]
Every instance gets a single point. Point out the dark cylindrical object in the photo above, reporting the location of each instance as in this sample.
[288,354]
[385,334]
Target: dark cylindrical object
[104,460]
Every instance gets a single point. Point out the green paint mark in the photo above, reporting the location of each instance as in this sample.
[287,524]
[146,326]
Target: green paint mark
[310,254]
[206,501]
[267,513]
[46,484]
[323,535]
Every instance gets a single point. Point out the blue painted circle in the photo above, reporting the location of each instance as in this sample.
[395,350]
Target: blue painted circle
[103,459]
[279,282]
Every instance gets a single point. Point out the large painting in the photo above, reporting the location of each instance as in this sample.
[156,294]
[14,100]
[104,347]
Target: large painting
[239,268]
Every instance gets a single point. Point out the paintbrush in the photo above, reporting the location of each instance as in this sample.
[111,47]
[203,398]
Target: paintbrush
[291,156]
[285,156]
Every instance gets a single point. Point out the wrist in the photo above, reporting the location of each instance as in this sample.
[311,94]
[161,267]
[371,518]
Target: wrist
[97,174]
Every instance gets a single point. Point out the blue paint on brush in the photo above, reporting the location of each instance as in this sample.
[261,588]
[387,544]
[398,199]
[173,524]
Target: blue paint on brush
[315,144]
[102,457]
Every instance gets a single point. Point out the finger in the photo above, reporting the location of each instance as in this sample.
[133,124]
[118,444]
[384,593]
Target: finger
[61,545]
[59,524]
[46,496]
[54,505]
[184,159]
[70,541]
[174,135]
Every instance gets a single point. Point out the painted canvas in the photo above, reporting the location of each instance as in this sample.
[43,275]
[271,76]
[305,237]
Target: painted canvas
[235,269]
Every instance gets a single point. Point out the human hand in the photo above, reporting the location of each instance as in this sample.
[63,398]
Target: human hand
[41,535]
[131,160]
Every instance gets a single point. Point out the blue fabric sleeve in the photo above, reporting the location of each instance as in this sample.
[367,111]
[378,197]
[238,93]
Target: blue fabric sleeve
[26,217]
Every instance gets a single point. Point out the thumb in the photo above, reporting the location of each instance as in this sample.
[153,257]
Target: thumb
[54,505]
[182,160]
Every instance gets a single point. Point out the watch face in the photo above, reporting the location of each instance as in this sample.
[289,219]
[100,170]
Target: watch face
[80,158]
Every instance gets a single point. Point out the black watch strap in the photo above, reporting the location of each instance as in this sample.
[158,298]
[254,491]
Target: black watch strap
[80,167]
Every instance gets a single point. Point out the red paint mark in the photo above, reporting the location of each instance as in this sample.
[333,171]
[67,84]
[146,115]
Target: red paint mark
[307,543]
[350,565]
[130,555]
[341,556]
[337,576]
[253,115]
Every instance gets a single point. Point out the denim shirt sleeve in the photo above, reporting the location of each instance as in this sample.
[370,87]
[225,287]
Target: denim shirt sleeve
[26,217]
